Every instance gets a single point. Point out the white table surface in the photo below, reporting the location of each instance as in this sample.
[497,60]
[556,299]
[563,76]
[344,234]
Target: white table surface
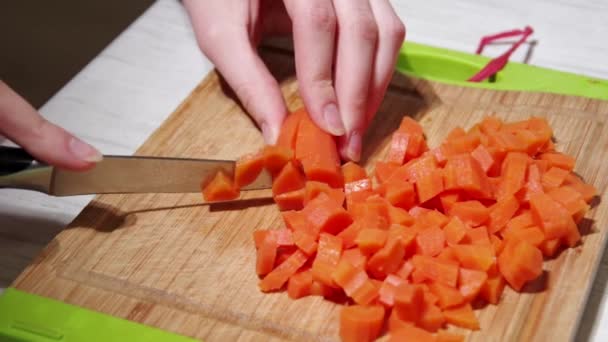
[126,92]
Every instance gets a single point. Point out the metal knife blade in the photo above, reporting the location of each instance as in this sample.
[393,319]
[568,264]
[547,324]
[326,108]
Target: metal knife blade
[127,174]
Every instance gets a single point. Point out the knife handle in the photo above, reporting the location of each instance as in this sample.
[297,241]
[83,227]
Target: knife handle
[14,159]
[19,170]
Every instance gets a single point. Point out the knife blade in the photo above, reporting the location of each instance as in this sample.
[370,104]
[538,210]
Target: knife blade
[116,174]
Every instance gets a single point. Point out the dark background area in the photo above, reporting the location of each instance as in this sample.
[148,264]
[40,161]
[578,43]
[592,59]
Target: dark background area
[43,44]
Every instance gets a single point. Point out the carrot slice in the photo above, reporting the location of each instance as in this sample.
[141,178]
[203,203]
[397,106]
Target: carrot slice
[299,285]
[221,188]
[289,179]
[289,129]
[492,289]
[513,174]
[429,185]
[305,242]
[350,233]
[554,177]
[431,318]
[266,254]
[479,257]
[387,259]
[550,216]
[409,301]
[355,257]
[279,276]
[462,172]
[295,221]
[462,316]
[558,159]
[588,191]
[292,200]
[454,231]
[317,152]
[400,193]
[483,157]
[399,216]
[247,169]
[276,157]
[349,277]
[386,293]
[383,170]
[477,236]
[352,172]
[398,147]
[361,323]
[448,296]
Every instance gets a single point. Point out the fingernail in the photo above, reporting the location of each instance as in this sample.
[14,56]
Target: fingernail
[354,146]
[333,120]
[84,151]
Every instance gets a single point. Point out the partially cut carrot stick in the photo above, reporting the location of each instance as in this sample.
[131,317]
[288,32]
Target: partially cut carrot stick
[247,169]
[221,188]
[289,179]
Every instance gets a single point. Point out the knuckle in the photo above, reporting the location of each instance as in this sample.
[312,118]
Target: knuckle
[246,93]
[396,31]
[321,16]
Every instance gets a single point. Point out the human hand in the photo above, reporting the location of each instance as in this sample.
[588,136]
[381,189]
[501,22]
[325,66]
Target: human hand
[22,124]
[345,51]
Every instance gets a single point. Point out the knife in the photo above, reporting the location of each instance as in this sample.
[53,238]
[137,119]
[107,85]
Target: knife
[116,174]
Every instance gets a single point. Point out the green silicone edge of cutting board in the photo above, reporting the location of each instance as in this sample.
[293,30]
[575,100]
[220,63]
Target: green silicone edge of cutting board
[454,67]
[27,317]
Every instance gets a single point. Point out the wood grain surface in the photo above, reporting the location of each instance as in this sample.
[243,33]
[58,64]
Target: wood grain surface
[172,262]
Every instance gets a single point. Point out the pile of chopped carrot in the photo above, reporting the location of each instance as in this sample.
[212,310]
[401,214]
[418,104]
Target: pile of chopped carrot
[432,232]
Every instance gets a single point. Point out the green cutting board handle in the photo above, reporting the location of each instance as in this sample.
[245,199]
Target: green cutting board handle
[453,67]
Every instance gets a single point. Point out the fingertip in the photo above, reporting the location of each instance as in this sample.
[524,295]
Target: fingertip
[333,121]
[350,146]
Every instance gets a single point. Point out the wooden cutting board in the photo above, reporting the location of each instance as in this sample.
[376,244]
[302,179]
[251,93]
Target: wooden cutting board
[171,262]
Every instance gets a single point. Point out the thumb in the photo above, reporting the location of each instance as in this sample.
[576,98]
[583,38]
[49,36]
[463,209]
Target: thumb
[49,143]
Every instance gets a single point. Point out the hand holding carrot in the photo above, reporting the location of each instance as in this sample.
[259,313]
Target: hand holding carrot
[345,51]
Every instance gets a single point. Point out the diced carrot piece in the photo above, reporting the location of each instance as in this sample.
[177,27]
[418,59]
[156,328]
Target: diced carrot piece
[383,170]
[462,316]
[501,212]
[289,179]
[399,216]
[522,220]
[416,168]
[355,257]
[409,332]
[349,277]
[455,133]
[398,147]
[361,323]
[418,211]
[360,196]
[477,236]
[370,240]
[460,145]
[247,169]
[497,243]
[462,172]
[406,235]
[447,199]
[550,247]
[400,193]
[550,216]
[329,251]
[279,276]
[446,336]
[349,235]
[386,293]
[490,124]
[295,221]
[470,282]
[289,129]
[569,198]
[291,200]
[454,231]
[373,213]
[433,218]
[448,296]
[430,241]
[409,301]
[367,293]
[472,213]
[436,270]
[447,254]
[554,177]
[317,152]
[361,185]
[266,254]
[405,269]
[513,174]
[431,318]
[479,257]
[588,191]
[352,172]
[324,215]
[439,155]
[276,157]
[313,189]
[492,289]
[519,263]
[299,284]
[533,235]
[305,242]
[387,259]
[283,237]
[429,185]
[221,188]
[483,157]
[558,159]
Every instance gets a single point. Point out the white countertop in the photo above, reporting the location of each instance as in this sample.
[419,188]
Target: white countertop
[126,92]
